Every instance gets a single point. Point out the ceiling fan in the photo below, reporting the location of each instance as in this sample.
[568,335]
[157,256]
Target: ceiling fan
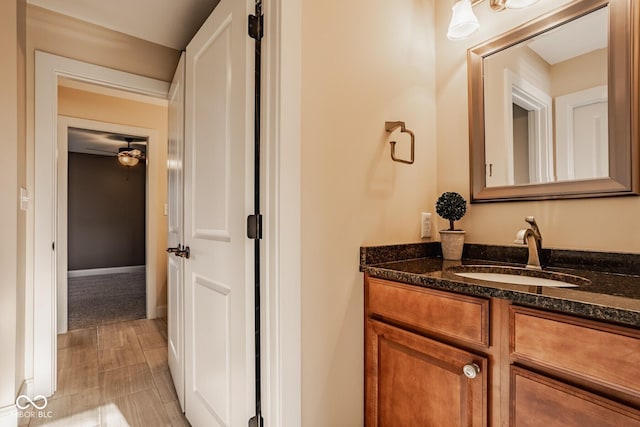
[90,141]
[130,156]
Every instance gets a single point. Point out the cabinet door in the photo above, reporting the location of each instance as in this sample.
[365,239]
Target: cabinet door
[538,401]
[415,381]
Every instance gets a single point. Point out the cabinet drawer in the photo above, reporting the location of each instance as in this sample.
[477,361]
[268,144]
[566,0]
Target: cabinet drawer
[458,316]
[605,354]
[538,401]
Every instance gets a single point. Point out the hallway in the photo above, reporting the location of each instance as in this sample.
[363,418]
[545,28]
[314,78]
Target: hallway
[113,375]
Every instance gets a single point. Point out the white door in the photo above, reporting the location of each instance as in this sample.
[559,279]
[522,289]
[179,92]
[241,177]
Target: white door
[591,136]
[582,140]
[218,316]
[175,264]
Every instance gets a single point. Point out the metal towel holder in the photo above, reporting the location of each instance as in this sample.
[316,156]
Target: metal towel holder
[390,127]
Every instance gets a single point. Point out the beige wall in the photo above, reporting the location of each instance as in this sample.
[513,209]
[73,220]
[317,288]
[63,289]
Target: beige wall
[363,63]
[12,31]
[22,182]
[594,224]
[69,37]
[91,106]
[579,73]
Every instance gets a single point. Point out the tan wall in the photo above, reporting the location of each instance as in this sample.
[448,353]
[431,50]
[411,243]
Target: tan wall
[363,63]
[579,73]
[69,37]
[22,182]
[592,224]
[91,106]
[11,120]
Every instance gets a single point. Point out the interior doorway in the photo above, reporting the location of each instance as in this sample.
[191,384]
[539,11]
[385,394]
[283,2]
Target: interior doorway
[106,215]
[98,252]
[42,287]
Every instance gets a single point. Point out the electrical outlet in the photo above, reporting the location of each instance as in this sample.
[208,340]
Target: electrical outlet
[425,224]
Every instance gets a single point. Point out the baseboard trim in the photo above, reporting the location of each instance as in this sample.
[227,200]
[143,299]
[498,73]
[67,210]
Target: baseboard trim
[110,270]
[161,311]
[9,416]
[26,388]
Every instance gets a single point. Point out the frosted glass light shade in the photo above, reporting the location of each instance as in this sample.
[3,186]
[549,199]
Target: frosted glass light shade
[128,161]
[519,4]
[463,21]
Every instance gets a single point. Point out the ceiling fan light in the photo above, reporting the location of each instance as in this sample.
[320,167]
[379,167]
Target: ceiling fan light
[519,4]
[463,21]
[128,161]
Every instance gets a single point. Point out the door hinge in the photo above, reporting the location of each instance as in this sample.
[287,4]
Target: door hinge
[256,27]
[256,421]
[254,227]
[53,246]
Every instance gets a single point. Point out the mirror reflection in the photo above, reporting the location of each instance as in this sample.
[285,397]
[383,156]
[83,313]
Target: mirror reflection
[546,107]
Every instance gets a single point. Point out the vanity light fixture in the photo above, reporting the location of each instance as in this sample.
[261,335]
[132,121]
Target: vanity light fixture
[515,4]
[464,22]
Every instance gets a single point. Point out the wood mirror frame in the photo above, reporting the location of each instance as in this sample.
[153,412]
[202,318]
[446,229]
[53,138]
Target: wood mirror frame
[624,106]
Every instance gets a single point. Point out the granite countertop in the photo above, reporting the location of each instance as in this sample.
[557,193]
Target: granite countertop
[613,293]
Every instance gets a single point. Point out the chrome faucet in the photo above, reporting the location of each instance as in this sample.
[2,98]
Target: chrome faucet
[533,239]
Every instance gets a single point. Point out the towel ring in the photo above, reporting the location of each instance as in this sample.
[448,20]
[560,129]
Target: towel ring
[390,127]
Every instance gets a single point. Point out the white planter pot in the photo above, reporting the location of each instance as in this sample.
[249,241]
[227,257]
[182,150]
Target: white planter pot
[452,244]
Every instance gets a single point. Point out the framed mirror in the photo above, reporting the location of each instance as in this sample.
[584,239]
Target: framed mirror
[554,106]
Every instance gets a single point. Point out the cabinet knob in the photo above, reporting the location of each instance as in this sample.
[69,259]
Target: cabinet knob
[471,370]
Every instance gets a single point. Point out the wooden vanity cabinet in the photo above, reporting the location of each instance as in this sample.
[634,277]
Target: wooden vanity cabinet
[540,401]
[412,378]
[572,372]
[533,368]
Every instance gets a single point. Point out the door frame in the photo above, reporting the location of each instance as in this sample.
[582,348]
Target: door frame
[41,290]
[281,194]
[62,171]
[282,53]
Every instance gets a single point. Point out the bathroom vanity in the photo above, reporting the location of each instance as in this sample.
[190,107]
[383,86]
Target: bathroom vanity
[485,341]
[447,350]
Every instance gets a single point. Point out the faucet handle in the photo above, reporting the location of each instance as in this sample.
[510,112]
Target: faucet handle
[536,230]
[520,237]
[534,226]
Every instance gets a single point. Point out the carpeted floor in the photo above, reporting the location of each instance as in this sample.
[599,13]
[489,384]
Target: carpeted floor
[109,298]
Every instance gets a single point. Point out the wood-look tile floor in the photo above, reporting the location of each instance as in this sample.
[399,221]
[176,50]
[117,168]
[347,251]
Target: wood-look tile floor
[113,375]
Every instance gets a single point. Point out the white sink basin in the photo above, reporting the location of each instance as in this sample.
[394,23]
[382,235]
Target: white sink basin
[518,280]
[519,276]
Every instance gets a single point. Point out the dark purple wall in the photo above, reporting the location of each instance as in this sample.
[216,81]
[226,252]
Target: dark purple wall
[106,205]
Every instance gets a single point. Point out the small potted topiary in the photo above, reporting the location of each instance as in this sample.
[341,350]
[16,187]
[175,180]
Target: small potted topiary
[451,206]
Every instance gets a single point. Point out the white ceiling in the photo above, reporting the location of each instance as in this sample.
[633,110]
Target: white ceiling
[583,35]
[169,23]
[99,143]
